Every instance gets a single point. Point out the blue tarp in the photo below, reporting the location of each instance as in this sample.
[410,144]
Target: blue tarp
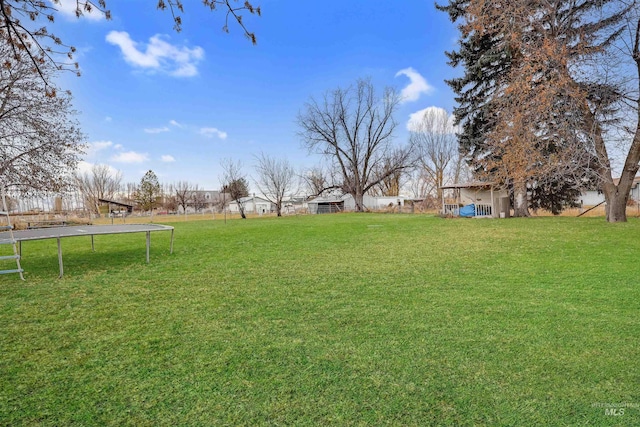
[468,211]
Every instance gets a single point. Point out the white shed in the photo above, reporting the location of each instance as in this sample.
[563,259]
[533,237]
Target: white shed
[373,203]
[347,203]
[252,204]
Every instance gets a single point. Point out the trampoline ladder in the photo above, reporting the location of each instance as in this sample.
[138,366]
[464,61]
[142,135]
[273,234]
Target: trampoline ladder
[12,240]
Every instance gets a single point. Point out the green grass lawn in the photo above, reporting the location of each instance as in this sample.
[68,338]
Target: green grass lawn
[328,320]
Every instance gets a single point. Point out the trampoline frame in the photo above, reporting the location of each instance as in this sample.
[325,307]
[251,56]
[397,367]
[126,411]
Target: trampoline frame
[59,233]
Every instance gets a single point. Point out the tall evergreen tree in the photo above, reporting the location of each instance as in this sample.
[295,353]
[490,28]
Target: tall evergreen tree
[521,111]
[485,61]
[148,191]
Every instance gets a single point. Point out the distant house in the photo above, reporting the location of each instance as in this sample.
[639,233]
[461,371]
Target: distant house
[591,198]
[489,201]
[293,204]
[635,189]
[252,204]
[204,200]
[374,203]
[476,199]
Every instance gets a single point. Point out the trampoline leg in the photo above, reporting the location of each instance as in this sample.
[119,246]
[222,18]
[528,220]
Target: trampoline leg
[20,248]
[60,258]
[148,244]
[171,245]
[93,249]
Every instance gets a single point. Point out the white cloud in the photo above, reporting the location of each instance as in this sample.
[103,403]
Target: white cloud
[85,167]
[174,123]
[68,8]
[130,157]
[415,121]
[157,130]
[118,147]
[167,158]
[100,145]
[108,119]
[94,147]
[417,85]
[210,132]
[158,55]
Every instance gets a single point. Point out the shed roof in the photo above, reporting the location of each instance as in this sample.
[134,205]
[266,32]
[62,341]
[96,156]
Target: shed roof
[113,202]
[251,199]
[326,200]
[474,184]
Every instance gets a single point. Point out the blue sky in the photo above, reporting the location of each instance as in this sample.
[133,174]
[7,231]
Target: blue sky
[178,103]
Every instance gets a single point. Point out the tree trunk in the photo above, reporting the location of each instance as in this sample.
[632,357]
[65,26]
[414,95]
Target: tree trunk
[439,193]
[359,200]
[616,208]
[520,202]
[278,209]
[617,196]
[439,184]
[615,202]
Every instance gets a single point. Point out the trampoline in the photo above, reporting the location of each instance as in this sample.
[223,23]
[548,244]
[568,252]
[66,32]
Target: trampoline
[83,230]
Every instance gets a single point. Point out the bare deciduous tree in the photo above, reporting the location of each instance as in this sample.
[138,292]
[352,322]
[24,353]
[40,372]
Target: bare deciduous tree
[317,180]
[197,199]
[101,183]
[234,183]
[623,63]
[40,140]
[183,191]
[353,128]
[276,179]
[130,190]
[420,184]
[435,140]
[169,199]
[392,182]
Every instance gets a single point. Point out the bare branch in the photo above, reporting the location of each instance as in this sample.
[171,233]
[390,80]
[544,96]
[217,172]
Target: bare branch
[353,128]
[275,179]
